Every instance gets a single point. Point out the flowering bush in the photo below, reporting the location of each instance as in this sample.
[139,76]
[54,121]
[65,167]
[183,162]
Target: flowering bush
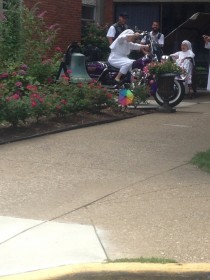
[15,80]
[30,90]
[140,89]
[95,97]
[24,34]
[45,69]
[67,99]
[15,109]
[38,105]
[158,68]
[141,93]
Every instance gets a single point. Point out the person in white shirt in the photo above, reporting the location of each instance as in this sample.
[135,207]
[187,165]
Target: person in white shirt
[121,48]
[116,29]
[156,37]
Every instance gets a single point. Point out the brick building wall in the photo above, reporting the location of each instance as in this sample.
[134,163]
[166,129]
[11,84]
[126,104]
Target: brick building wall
[66,13]
[109,12]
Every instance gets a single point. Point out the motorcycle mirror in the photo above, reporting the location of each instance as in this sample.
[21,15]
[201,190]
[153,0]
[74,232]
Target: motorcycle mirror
[143,33]
[164,57]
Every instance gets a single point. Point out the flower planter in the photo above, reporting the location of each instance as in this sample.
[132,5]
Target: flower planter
[165,84]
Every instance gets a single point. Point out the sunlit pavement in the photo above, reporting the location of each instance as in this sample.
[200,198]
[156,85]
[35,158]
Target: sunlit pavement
[120,190]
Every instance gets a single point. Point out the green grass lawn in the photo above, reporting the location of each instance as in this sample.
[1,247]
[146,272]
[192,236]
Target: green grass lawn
[144,260]
[202,160]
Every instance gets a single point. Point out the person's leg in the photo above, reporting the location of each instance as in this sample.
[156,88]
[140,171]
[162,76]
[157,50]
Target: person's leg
[126,66]
[118,77]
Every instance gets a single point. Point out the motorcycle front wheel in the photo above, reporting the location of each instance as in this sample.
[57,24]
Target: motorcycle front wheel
[176,97]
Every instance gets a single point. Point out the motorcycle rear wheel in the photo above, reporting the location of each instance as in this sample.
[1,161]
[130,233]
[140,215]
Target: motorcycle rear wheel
[176,97]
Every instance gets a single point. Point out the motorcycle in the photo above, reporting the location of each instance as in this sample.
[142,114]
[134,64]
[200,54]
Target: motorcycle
[104,73]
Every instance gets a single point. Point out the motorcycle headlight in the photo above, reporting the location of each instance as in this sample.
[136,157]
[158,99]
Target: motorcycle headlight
[164,57]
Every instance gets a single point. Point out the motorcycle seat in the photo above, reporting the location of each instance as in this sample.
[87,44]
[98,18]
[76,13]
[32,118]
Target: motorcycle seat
[111,68]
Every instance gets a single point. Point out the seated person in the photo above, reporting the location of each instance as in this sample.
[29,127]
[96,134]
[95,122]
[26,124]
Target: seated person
[121,48]
[185,59]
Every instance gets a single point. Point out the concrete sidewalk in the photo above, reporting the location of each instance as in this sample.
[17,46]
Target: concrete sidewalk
[121,190]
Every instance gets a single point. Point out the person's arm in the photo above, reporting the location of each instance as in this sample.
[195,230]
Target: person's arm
[206,38]
[174,55]
[143,40]
[110,40]
[139,47]
[161,40]
[206,41]
[111,34]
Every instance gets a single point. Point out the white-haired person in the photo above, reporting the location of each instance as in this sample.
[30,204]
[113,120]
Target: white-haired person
[121,48]
[185,59]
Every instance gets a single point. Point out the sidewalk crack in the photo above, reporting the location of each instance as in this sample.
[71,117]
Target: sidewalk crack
[98,237]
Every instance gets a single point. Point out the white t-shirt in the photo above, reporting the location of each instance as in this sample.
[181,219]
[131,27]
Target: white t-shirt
[111,32]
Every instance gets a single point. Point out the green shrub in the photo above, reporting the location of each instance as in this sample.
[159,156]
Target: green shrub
[27,73]
[95,35]
[25,36]
[15,109]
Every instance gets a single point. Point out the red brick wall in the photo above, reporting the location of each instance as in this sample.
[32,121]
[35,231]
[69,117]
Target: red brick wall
[109,12]
[66,13]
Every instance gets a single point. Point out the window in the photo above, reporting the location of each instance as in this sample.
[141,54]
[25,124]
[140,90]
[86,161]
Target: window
[88,13]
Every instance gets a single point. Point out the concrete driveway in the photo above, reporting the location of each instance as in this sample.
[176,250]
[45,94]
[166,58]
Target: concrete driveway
[120,190]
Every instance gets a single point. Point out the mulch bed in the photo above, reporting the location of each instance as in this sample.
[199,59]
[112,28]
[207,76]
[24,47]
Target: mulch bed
[46,126]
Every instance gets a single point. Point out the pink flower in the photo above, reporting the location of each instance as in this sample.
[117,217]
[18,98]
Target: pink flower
[50,80]
[18,84]
[16,96]
[53,26]
[58,107]
[146,70]
[7,99]
[109,96]
[46,61]
[23,67]
[42,14]
[69,71]
[31,87]
[58,49]
[4,75]
[33,104]
[34,95]
[22,72]
[64,101]
[65,78]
